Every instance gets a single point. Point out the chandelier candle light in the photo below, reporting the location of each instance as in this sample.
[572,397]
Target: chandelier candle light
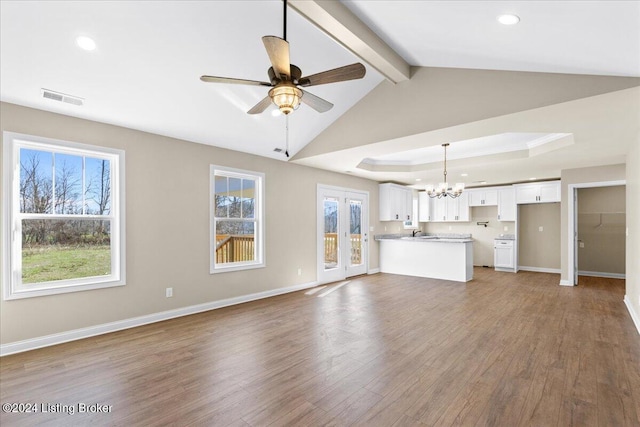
[443,190]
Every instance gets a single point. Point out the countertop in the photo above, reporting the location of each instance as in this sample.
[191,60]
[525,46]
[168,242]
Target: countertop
[431,238]
[506,237]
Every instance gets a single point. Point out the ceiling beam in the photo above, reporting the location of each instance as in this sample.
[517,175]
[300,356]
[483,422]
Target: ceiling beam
[342,25]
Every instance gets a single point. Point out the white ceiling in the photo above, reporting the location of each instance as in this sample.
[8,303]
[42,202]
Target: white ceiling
[145,71]
[573,37]
[475,147]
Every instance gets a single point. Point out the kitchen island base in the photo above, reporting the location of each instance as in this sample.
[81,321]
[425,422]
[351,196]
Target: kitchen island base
[428,258]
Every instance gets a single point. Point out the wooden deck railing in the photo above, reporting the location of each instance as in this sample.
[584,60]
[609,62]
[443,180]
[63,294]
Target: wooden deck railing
[234,248]
[237,248]
[331,248]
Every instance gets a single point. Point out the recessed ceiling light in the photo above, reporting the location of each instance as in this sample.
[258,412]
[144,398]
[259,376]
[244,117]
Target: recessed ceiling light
[508,19]
[464,174]
[85,43]
[418,180]
[532,179]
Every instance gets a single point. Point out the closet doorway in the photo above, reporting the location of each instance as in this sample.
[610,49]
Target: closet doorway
[598,212]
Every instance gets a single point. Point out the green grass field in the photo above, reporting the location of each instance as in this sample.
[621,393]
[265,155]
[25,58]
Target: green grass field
[44,264]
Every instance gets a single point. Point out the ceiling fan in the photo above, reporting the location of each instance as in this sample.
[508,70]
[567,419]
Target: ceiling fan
[285,79]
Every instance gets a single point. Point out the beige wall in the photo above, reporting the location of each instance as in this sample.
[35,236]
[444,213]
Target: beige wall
[581,176]
[601,229]
[539,249]
[167,220]
[632,297]
[482,236]
[439,98]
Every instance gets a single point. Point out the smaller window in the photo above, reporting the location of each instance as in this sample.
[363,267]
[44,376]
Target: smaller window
[237,232]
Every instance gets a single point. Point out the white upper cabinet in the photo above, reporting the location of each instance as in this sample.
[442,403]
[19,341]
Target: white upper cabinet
[396,202]
[483,197]
[539,192]
[445,209]
[507,207]
[424,207]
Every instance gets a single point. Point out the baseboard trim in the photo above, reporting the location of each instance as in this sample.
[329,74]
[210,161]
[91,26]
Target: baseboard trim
[602,274]
[634,316]
[77,334]
[566,283]
[373,271]
[539,269]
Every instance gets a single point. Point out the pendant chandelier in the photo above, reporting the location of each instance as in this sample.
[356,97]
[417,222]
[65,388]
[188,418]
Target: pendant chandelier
[442,189]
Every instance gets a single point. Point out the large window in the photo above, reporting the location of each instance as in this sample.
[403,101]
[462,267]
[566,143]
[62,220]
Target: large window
[237,236]
[63,229]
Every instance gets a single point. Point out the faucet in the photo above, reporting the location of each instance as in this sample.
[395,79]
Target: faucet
[414,232]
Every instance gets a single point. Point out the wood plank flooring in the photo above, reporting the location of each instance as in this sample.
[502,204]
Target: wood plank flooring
[383,350]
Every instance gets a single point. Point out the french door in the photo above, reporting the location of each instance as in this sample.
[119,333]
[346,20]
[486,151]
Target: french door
[342,233]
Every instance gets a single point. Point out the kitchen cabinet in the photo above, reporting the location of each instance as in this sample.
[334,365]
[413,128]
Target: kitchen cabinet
[424,207]
[504,255]
[447,209]
[507,207]
[483,197]
[396,202]
[539,192]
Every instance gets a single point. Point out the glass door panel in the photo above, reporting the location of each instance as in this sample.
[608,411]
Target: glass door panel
[331,209]
[355,232]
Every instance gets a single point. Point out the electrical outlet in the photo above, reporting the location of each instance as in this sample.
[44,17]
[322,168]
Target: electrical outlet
[581,244]
[299,272]
[169,292]
[541,228]
[450,228]
[506,228]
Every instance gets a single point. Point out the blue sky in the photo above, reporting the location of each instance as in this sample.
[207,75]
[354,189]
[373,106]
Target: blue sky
[70,166]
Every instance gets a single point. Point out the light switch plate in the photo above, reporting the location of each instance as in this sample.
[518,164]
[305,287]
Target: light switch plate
[541,228]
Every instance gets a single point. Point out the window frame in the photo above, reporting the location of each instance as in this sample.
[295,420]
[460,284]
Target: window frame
[258,220]
[11,228]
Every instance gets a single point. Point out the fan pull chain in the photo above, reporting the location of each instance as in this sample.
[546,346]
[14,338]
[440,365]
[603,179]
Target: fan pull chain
[286,127]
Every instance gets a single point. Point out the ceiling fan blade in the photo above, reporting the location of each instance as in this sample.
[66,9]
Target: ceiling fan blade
[315,102]
[214,79]
[278,51]
[341,74]
[260,106]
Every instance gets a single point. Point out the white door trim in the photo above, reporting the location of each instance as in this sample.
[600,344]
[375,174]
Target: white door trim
[572,210]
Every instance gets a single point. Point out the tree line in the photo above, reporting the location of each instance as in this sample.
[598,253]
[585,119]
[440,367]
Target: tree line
[41,194]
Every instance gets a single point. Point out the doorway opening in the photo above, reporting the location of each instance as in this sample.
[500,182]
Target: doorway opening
[597,224]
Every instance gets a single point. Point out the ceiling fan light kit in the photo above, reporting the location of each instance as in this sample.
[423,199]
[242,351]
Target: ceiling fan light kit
[284,78]
[286,96]
[442,189]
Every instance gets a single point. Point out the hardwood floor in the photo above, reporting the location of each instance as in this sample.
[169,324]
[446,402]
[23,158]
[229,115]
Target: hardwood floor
[383,350]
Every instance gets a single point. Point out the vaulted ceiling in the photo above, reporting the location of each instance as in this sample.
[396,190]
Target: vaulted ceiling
[437,71]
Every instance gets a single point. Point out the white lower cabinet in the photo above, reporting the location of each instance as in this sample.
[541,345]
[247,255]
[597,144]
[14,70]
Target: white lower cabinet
[504,254]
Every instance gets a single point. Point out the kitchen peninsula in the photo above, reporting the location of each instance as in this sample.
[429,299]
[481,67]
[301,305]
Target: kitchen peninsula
[443,256]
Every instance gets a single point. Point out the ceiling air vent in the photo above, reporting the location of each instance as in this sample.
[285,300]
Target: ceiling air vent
[278,150]
[57,96]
